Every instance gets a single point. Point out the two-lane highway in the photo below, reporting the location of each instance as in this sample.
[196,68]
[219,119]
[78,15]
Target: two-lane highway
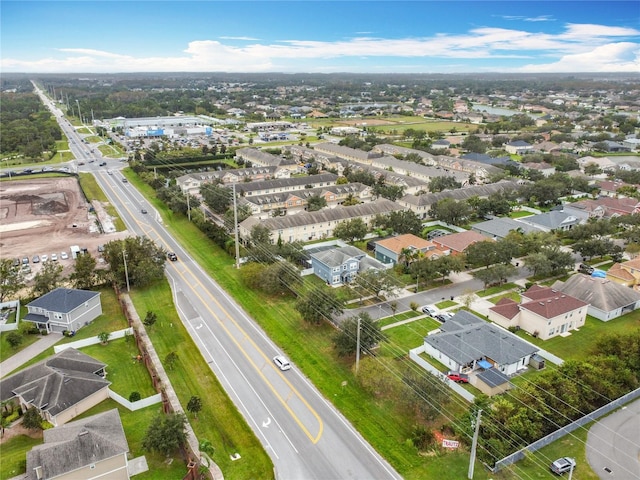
[304,435]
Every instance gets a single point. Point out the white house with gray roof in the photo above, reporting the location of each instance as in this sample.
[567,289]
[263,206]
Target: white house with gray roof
[466,342]
[551,221]
[498,228]
[308,226]
[347,153]
[92,448]
[191,182]
[338,266]
[282,185]
[64,309]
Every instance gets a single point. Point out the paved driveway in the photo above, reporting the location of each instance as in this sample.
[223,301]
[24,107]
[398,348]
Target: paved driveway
[613,444]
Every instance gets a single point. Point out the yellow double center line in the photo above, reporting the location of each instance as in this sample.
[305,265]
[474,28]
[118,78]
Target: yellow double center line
[283,401]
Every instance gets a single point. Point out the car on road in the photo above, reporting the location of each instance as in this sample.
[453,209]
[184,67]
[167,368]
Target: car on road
[563,465]
[64,255]
[35,259]
[124,180]
[430,310]
[458,377]
[109,172]
[172,256]
[103,164]
[281,362]
[143,210]
[44,258]
[54,257]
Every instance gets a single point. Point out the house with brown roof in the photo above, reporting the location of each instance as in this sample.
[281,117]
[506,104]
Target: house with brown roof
[456,243]
[626,273]
[91,448]
[60,387]
[543,312]
[393,249]
[603,207]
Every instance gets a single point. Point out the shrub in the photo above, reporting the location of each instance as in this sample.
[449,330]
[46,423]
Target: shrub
[134,397]
[14,339]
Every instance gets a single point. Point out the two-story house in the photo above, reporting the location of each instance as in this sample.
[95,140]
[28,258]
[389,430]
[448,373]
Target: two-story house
[64,309]
[339,266]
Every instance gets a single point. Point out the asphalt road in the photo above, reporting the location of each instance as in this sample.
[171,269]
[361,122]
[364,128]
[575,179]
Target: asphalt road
[613,444]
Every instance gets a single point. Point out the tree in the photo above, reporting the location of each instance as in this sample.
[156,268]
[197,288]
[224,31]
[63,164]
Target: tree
[194,405]
[450,211]
[345,340]
[84,275]
[11,279]
[315,203]
[217,197]
[593,247]
[319,304]
[448,264]
[32,419]
[496,274]
[473,143]
[150,319]
[400,222]
[170,360]
[280,278]
[144,259]
[166,434]
[438,184]
[104,337]
[261,248]
[14,339]
[375,282]
[47,279]
[351,230]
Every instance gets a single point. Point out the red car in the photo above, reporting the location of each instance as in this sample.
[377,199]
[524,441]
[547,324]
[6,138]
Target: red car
[458,377]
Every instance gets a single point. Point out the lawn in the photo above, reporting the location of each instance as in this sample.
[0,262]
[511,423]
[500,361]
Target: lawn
[579,343]
[7,350]
[405,337]
[219,421]
[512,295]
[383,322]
[519,214]
[14,452]
[125,373]
[493,290]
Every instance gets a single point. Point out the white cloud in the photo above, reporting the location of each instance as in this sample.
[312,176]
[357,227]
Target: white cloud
[250,39]
[613,57]
[576,47]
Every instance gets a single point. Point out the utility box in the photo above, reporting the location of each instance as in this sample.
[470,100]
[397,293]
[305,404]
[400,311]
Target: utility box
[75,251]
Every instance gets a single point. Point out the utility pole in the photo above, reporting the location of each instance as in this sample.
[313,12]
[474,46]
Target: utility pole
[79,114]
[474,446]
[126,273]
[235,224]
[188,207]
[358,346]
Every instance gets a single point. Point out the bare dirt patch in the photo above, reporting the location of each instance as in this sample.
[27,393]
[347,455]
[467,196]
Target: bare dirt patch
[46,216]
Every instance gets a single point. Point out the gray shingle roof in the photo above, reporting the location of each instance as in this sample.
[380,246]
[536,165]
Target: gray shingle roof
[500,227]
[462,193]
[78,444]
[248,187]
[493,377]
[338,256]
[468,338]
[57,383]
[603,294]
[63,300]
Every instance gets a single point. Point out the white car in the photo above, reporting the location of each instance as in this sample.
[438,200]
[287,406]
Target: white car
[430,310]
[54,257]
[64,255]
[44,258]
[281,362]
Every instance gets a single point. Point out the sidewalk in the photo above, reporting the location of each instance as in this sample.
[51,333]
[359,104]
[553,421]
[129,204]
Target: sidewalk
[26,354]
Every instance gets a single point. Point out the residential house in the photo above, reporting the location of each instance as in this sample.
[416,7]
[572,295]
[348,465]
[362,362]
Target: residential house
[281,185]
[307,226]
[551,221]
[543,312]
[626,273]
[518,147]
[457,243]
[353,154]
[338,266]
[603,163]
[499,227]
[64,309]
[252,157]
[607,300]
[466,343]
[441,144]
[544,168]
[610,187]
[394,249]
[90,449]
[60,387]
[191,182]
[603,207]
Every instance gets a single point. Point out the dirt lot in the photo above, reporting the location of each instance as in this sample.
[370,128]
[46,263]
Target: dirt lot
[48,215]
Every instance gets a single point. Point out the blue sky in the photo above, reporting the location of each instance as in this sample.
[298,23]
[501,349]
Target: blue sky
[320,36]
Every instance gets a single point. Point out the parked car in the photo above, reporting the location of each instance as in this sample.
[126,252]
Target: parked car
[563,465]
[458,377]
[443,317]
[64,255]
[281,362]
[16,262]
[54,257]
[101,248]
[25,260]
[44,258]
[586,269]
[35,259]
[430,310]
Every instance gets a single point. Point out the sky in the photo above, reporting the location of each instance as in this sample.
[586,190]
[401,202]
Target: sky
[368,36]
